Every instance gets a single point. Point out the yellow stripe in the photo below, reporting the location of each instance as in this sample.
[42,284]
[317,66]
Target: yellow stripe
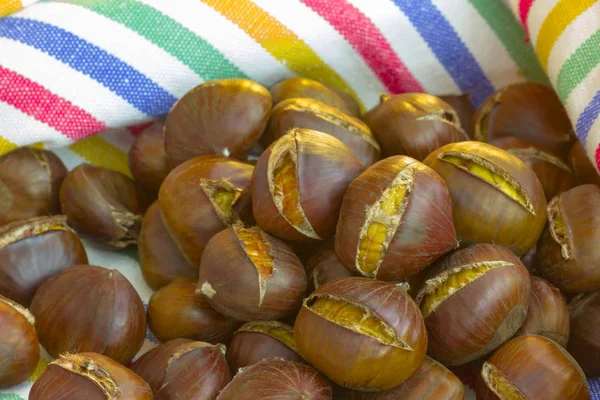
[9,7]
[99,152]
[38,145]
[561,16]
[282,43]
[6,146]
[39,369]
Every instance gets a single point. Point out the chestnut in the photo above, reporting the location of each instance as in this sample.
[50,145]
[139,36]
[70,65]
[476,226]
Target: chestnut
[369,116]
[184,369]
[197,200]
[432,381]
[312,114]
[532,367]
[147,158]
[160,259]
[224,117]
[584,342]
[88,376]
[529,111]
[176,311]
[361,333]
[102,204]
[29,184]
[474,300]
[249,275]
[568,253]
[276,379]
[396,219]
[87,308]
[19,346]
[583,169]
[461,103]
[324,266]
[496,198]
[256,341]
[554,175]
[415,124]
[33,250]
[547,312]
[353,107]
[299,182]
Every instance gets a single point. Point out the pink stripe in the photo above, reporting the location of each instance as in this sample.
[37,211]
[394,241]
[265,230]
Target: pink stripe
[598,157]
[524,7]
[137,129]
[36,101]
[369,42]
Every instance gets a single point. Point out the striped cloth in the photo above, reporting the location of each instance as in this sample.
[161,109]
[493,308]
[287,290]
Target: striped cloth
[72,68]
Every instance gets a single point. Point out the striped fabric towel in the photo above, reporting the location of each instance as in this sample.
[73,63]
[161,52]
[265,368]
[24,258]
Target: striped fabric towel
[72,68]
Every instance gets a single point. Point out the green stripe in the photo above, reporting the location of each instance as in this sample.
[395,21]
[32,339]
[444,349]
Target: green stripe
[578,66]
[510,32]
[167,34]
[10,397]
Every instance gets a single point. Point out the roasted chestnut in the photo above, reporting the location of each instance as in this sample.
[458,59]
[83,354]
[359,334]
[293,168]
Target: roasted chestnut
[496,198]
[568,253]
[184,369]
[472,302]
[361,333]
[312,114]
[415,124]
[529,111]
[547,312]
[396,219]
[532,367]
[19,346]
[196,201]
[88,308]
[88,376]
[324,266]
[29,184]
[33,250]
[249,275]
[461,103]
[583,169]
[102,204]
[147,159]
[276,379]
[584,342]
[256,341]
[224,117]
[176,311]
[299,182]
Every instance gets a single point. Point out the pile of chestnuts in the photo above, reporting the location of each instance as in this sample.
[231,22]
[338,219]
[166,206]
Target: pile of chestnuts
[301,250]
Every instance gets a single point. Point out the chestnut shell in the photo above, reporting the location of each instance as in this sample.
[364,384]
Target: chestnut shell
[584,342]
[147,158]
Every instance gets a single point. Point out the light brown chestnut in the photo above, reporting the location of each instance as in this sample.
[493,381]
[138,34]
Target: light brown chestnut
[184,369]
[33,250]
[176,311]
[147,159]
[197,200]
[29,184]
[582,166]
[584,342]
[102,204]
[324,266]
[249,275]
[299,182]
[461,103]
[89,376]
[88,308]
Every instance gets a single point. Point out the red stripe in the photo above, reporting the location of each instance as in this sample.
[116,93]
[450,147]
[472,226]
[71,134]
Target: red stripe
[598,157]
[524,7]
[137,129]
[36,101]
[369,42]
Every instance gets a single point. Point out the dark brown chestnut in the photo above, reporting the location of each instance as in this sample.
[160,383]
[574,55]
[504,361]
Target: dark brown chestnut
[532,367]
[184,369]
[176,311]
[582,166]
[256,341]
[29,184]
[249,275]
[88,376]
[299,182]
[472,302]
[584,342]
[568,253]
[496,198]
[396,219]
[102,204]
[276,379]
[88,308]
[324,266]
[147,158]
[361,333]
[19,345]
[197,200]
[224,117]
[33,250]
[461,103]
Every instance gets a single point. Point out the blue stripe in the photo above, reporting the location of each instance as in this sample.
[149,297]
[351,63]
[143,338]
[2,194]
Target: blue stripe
[448,47]
[587,118]
[108,70]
